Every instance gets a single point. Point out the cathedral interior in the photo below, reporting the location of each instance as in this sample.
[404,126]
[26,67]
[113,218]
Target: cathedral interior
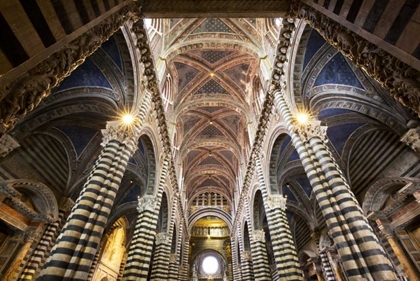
[210,140]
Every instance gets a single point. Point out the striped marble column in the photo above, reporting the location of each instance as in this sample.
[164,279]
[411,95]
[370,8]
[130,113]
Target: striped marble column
[259,256]
[140,251]
[42,250]
[362,256]
[326,266]
[246,266]
[183,271]
[76,247]
[162,251]
[173,267]
[235,263]
[284,249]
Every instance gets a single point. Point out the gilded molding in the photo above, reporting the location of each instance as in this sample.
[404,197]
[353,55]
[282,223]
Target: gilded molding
[400,79]
[25,93]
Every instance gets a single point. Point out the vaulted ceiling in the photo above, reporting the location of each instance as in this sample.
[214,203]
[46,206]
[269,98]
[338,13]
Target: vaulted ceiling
[211,63]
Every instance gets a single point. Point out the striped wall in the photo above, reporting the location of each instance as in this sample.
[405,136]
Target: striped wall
[393,22]
[30,26]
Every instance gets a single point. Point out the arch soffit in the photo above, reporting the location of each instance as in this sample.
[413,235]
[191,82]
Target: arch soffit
[380,190]
[221,214]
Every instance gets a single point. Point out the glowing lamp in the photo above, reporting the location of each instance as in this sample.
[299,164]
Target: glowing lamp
[128,119]
[302,118]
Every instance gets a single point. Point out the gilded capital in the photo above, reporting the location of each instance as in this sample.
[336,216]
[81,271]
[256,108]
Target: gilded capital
[277,202]
[311,129]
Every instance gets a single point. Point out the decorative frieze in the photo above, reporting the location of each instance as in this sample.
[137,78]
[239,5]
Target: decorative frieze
[311,129]
[277,202]
[7,145]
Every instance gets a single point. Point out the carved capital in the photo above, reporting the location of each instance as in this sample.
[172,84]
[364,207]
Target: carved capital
[386,228]
[162,238]
[310,130]
[412,139]
[7,145]
[258,235]
[123,133]
[277,202]
[65,204]
[246,256]
[173,258]
[146,203]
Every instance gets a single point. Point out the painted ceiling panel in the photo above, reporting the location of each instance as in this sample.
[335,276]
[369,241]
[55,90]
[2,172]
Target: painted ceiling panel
[213,56]
[80,136]
[86,74]
[210,131]
[189,122]
[337,71]
[111,48]
[185,74]
[210,161]
[314,44]
[212,87]
[213,25]
[209,182]
[338,135]
[238,74]
[233,122]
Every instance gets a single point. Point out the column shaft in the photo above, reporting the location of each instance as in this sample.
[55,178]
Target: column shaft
[362,255]
[259,256]
[326,266]
[140,252]
[246,266]
[161,257]
[284,249]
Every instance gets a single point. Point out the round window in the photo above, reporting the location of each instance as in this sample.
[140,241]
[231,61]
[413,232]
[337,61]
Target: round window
[210,265]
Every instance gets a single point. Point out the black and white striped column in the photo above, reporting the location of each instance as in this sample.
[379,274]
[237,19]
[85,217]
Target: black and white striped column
[284,249]
[259,256]
[161,257]
[173,267]
[361,254]
[326,266]
[235,263]
[76,247]
[140,252]
[246,266]
[42,250]
[183,271]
